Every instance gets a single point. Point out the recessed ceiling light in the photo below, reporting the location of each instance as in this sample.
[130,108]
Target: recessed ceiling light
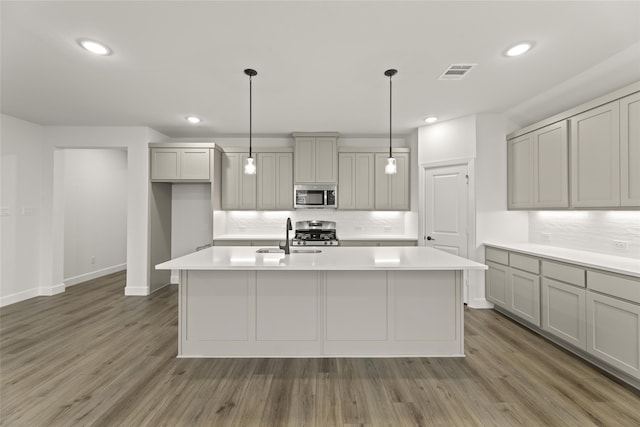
[95,47]
[519,49]
[193,119]
[431,119]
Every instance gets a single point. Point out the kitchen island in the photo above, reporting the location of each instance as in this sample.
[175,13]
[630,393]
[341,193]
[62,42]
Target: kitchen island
[340,301]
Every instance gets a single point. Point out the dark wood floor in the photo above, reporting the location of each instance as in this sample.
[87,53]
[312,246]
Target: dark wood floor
[91,356]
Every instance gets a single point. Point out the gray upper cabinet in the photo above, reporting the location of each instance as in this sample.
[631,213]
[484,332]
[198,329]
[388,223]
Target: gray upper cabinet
[551,166]
[520,172]
[586,157]
[630,150]
[538,169]
[180,164]
[392,192]
[275,181]
[316,158]
[595,158]
[238,189]
[356,181]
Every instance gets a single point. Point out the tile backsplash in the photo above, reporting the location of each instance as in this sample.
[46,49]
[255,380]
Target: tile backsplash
[348,223]
[607,232]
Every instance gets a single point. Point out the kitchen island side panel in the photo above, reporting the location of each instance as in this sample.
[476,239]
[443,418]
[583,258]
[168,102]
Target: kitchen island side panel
[381,313]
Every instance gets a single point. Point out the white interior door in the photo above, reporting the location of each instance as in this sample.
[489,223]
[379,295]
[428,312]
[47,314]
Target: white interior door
[446,194]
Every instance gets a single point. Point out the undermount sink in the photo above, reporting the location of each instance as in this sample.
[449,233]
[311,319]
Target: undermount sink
[293,251]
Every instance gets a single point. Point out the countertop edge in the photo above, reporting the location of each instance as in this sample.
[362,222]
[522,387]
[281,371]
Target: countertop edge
[571,256]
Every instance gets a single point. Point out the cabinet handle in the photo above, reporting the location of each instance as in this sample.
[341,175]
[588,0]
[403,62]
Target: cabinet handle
[430,238]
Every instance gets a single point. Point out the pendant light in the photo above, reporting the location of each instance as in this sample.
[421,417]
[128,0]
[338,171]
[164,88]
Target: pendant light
[250,166]
[390,168]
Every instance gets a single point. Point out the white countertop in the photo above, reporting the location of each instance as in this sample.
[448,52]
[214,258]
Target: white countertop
[616,264]
[335,258]
[280,237]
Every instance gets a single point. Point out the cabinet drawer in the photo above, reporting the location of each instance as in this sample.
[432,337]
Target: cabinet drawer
[526,263]
[564,273]
[617,286]
[496,255]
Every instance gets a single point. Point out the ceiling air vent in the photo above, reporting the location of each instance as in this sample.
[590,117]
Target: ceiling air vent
[456,71]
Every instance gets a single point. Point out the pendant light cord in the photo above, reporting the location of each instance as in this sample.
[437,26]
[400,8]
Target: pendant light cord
[250,113]
[390,154]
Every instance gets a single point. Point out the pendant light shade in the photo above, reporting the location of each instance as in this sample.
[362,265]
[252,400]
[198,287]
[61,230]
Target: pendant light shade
[390,168]
[249,165]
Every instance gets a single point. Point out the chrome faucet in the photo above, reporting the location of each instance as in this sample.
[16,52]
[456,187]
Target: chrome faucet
[285,247]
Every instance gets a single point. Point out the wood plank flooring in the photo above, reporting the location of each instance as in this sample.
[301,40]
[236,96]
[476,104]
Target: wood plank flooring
[93,357]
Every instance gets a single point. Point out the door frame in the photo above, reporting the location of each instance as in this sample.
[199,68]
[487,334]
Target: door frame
[469,282]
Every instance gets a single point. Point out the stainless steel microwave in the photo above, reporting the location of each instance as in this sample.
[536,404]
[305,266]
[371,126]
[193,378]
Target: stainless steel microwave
[315,196]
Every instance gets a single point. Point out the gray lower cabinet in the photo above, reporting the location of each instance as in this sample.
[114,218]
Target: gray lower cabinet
[353,243]
[497,284]
[595,311]
[613,332]
[525,295]
[247,242]
[513,284]
[564,312]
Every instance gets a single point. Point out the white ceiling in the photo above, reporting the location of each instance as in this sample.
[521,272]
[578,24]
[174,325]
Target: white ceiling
[320,64]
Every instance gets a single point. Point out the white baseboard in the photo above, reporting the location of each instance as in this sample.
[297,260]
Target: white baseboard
[94,274]
[52,290]
[132,291]
[19,296]
[479,303]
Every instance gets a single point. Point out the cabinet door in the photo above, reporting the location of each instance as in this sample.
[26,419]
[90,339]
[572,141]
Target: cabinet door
[194,163]
[392,192]
[266,180]
[346,180]
[630,150]
[230,184]
[326,160]
[564,312]
[284,181]
[525,295]
[363,181]
[595,157]
[356,181]
[165,164]
[399,185]
[613,332]
[520,156]
[382,188]
[238,189]
[551,166]
[247,194]
[497,285]
[274,181]
[305,163]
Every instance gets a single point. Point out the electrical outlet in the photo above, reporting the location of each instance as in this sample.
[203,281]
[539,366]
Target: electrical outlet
[546,237]
[93,260]
[620,244]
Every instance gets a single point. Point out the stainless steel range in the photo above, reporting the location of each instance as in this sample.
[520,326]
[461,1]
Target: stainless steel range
[315,233]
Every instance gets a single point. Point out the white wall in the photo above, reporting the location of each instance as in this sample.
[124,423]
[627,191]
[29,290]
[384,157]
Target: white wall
[95,213]
[448,141]
[20,201]
[493,221]
[593,231]
[135,141]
